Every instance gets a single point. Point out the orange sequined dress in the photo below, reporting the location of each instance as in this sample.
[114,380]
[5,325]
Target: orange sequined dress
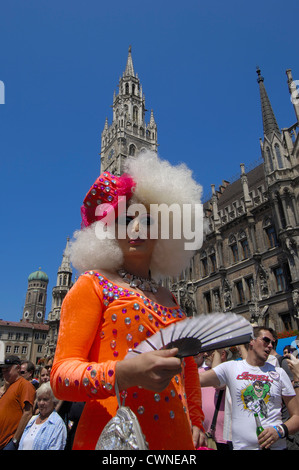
[99,323]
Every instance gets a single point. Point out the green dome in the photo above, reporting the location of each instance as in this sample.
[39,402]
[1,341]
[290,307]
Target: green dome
[38,276]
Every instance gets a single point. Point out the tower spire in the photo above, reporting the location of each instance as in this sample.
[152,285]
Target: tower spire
[66,264]
[129,72]
[63,285]
[269,121]
[129,133]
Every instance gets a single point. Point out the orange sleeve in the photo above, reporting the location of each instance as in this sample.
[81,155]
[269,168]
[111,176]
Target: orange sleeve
[77,374]
[193,393]
[27,394]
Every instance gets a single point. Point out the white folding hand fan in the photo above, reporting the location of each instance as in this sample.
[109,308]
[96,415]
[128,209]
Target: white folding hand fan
[199,334]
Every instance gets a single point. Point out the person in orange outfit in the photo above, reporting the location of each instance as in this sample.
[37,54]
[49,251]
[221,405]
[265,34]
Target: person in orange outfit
[119,301]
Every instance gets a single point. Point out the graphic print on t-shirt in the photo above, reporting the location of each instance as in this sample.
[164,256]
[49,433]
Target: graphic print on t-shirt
[256,395]
[254,389]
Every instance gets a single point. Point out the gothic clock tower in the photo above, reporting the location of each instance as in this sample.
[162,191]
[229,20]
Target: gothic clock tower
[128,134]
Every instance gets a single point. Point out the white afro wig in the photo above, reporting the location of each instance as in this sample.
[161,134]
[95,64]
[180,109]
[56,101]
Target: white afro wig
[157,182]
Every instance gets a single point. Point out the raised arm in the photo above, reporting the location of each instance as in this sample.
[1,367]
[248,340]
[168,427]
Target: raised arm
[209,379]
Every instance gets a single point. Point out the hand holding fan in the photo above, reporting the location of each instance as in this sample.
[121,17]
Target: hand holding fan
[199,334]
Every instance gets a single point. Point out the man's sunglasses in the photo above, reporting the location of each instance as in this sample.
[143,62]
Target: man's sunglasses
[267,341]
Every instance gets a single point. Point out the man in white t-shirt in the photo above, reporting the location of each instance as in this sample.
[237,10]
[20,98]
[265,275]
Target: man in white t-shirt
[257,386]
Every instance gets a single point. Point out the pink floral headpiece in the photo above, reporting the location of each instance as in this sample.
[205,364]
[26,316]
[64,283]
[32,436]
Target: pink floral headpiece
[108,190]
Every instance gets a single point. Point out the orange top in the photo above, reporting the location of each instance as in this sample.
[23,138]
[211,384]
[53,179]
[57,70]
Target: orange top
[11,408]
[99,323]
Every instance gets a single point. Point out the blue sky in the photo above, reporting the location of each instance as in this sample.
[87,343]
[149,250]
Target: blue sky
[61,61]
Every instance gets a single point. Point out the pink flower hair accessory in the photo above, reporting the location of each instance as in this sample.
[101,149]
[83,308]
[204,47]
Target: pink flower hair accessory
[104,197]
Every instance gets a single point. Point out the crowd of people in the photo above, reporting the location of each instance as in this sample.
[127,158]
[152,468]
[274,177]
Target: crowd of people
[31,417]
[237,387]
[124,251]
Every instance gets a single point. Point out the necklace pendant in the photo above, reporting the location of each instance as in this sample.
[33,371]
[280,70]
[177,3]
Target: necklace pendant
[146,285]
[128,278]
[135,283]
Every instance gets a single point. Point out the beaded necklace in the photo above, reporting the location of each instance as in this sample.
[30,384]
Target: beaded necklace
[138,282]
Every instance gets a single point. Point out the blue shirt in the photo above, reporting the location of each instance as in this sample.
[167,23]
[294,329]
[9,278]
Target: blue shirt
[51,436]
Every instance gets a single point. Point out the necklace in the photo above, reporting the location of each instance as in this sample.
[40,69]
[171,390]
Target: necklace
[139,282]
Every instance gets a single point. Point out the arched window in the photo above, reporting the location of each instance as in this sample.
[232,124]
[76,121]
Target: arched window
[213,262]
[269,158]
[204,264]
[234,248]
[132,149]
[208,302]
[127,88]
[270,232]
[244,244]
[278,156]
[281,211]
[280,278]
[240,292]
[135,113]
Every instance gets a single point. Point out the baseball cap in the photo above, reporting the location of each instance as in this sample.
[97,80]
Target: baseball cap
[10,361]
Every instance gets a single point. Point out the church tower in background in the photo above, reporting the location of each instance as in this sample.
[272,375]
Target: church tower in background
[36,297]
[128,134]
[63,285]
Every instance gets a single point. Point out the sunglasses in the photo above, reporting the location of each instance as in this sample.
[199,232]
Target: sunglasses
[268,341]
[145,219]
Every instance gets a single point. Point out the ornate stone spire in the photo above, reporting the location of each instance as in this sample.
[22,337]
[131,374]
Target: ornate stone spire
[66,264]
[129,72]
[269,121]
[63,285]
